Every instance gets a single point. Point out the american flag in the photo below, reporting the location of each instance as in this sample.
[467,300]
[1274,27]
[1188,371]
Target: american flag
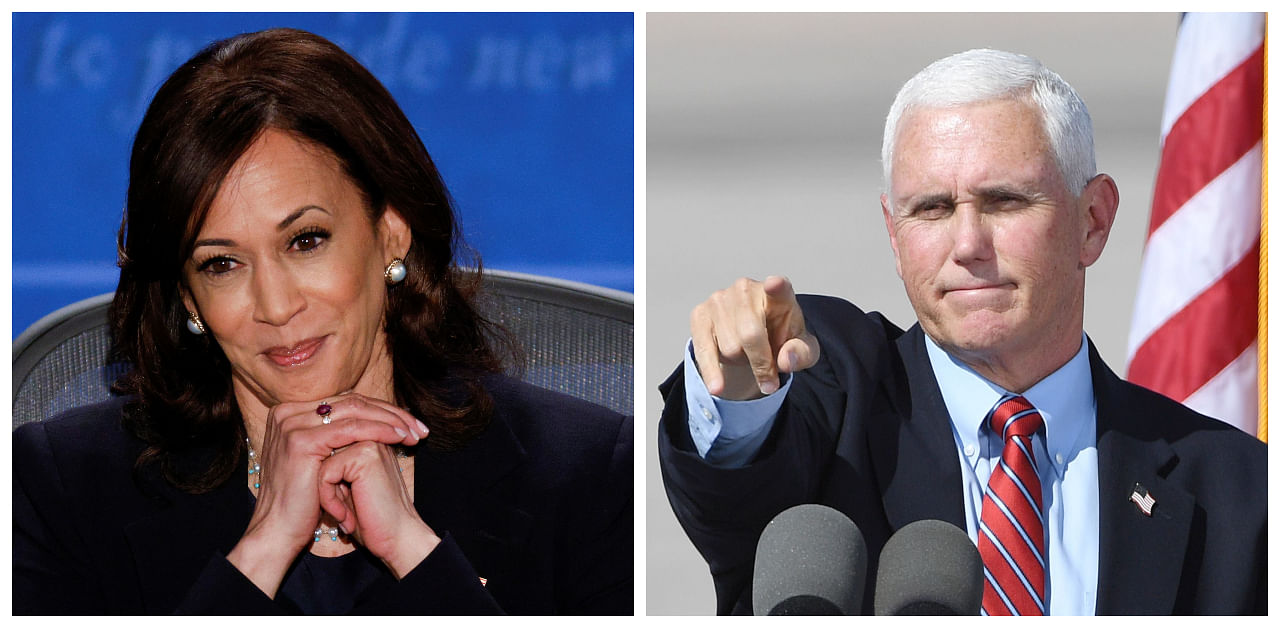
[1194,336]
[1143,499]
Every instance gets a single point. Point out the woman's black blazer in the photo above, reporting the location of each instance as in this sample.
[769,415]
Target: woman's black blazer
[540,505]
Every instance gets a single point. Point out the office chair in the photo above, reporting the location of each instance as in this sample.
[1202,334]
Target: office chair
[577,339]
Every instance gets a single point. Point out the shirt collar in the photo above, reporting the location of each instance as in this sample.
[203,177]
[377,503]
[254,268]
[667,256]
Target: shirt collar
[1064,399]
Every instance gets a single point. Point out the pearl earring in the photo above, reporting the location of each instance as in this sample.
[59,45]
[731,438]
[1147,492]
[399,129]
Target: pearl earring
[194,324]
[396,272]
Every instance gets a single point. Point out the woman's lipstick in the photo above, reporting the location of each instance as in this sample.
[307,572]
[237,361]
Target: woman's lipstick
[295,355]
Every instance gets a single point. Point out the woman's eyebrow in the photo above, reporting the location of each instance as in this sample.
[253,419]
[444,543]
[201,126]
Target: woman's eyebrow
[214,242]
[291,218]
[284,224]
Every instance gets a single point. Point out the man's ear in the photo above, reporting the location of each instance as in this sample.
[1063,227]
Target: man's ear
[395,234]
[893,236]
[1101,199]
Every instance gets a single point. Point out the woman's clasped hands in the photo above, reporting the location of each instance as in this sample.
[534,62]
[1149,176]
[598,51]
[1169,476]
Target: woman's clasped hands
[333,458]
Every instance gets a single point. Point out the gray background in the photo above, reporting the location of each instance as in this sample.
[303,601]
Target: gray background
[763,158]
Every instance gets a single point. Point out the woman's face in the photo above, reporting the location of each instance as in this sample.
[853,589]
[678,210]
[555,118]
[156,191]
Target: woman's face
[287,273]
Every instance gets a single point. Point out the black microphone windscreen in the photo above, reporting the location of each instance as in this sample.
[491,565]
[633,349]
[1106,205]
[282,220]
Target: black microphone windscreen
[929,567]
[811,560]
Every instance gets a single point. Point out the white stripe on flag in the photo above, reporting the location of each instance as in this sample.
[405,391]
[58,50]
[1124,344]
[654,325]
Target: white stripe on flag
[1145,501]
[1231,395]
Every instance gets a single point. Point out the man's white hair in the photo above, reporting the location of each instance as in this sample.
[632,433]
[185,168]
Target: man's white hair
[984,75]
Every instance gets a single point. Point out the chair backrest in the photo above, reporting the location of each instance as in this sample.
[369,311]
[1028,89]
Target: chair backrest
[577,339]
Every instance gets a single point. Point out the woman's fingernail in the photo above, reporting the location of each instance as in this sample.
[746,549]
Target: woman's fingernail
[423,428]
[401,432]
[343,527]
[768,388]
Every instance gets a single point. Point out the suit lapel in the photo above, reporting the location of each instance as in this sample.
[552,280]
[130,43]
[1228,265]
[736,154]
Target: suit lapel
[469,493]
[1139,557]
[913,447]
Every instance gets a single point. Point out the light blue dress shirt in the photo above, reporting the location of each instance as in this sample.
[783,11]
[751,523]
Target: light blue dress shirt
[729,433]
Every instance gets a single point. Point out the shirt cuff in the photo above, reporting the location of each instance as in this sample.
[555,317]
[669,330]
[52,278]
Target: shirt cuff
[725,431]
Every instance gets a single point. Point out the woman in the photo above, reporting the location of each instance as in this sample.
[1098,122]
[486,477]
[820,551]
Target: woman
[315,420]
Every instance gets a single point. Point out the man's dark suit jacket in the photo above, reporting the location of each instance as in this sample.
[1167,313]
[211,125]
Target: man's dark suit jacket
[540,504]
[866,431]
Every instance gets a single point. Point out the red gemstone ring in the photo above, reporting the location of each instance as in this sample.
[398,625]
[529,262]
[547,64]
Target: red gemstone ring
[323,410]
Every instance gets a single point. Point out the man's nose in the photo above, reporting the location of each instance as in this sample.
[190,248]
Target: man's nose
[971,239]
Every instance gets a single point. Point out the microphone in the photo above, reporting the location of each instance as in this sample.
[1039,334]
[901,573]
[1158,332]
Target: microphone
[929,567]
[811,560]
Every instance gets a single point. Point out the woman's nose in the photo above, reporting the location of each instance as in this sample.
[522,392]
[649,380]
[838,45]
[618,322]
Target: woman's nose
[276,294]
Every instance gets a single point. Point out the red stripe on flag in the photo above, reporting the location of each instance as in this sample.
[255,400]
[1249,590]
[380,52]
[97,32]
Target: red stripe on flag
[1203,338]
[1213,133]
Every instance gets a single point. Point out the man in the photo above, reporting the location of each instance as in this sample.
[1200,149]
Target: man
[1083,493]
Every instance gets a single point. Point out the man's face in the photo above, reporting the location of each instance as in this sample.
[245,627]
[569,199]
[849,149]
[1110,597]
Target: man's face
[989,242]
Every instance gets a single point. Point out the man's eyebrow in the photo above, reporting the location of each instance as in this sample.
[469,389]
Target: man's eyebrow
[918,203]
[997,191]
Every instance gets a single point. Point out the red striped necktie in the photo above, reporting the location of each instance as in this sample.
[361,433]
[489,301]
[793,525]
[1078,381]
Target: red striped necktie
[1011,532]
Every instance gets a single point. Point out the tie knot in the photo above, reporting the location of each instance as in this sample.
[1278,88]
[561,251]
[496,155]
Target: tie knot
[1015,416]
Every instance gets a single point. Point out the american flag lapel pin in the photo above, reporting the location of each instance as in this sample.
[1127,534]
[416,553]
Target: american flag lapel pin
[1142,497]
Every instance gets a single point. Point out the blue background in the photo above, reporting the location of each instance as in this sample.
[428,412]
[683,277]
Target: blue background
[529,118]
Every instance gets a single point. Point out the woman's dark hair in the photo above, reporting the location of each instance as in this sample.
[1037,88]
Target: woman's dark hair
[201,121]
